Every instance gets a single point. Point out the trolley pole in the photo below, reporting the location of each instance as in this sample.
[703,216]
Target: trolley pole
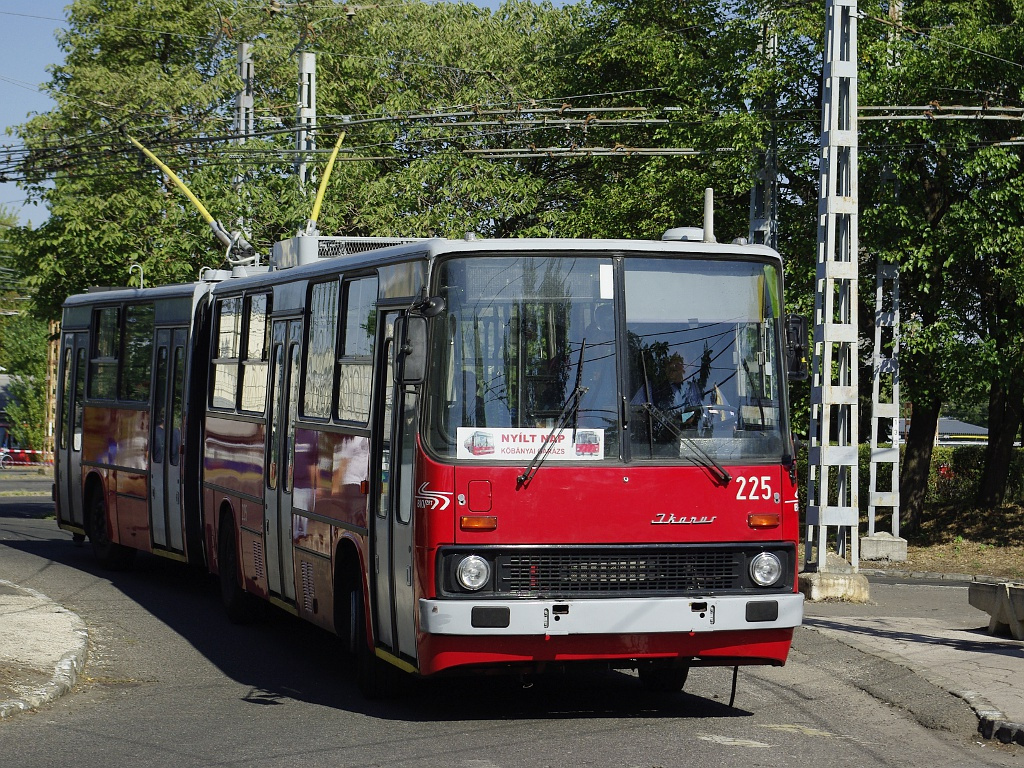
[833,509]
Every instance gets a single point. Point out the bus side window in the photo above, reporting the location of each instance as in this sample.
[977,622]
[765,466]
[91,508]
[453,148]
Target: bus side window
[320,354]
[225,363]
[78,406]
[137,367]
[256,362]
[67,404]
[105,348]
[177,403]
[355,361]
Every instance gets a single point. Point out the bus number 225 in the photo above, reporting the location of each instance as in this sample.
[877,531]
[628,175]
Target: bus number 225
[753,488]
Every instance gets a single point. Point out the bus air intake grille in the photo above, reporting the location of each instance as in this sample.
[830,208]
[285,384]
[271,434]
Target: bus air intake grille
[566,574]
[257,559]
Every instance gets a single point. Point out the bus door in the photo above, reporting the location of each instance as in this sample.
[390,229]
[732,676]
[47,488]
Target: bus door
[277,520]
[74,359]
[165,512]
[394,454]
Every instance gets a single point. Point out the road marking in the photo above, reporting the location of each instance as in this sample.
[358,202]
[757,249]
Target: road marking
[801,729]
[729,741]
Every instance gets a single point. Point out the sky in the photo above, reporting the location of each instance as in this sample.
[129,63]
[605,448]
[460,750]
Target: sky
[28,45]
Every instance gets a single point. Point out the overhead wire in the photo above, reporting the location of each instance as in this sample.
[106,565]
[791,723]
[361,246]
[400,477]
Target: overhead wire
[98,153]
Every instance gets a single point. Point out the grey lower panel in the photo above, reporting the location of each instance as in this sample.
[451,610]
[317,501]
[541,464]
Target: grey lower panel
[612,616]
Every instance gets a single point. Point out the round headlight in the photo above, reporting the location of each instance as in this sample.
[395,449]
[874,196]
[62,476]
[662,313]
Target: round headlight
[473,572]
[765,569]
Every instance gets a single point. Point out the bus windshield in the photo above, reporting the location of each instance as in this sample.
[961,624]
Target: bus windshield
[680,358]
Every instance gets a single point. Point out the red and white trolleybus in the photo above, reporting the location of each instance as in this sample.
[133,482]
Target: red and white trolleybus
[457,454]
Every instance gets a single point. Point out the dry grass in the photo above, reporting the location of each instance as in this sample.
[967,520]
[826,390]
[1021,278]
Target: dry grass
[966,541]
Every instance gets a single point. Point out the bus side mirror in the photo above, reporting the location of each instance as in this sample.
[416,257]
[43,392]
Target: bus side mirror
[796,347]
[412,336]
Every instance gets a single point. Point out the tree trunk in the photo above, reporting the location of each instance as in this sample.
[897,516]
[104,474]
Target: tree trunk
[917,460]
[1005,410]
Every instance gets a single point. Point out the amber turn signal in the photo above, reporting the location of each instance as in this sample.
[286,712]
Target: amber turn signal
[768,520]
[478,522]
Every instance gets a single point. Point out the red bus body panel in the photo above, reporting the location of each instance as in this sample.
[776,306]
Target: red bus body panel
[600,505]
[115,446]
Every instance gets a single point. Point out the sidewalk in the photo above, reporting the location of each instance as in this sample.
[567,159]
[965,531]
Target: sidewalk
[43,648]
[926,625]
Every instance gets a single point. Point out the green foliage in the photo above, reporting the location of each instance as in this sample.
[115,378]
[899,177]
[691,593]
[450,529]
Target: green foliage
[461,119]
[939,198]
[26,412]
[956,473]
[954,476]
[23,344]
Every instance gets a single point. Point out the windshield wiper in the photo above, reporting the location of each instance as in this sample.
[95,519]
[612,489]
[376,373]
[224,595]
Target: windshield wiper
[569,411]
[708,460]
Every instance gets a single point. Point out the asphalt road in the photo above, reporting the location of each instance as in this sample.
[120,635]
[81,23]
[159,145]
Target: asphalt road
[171,682]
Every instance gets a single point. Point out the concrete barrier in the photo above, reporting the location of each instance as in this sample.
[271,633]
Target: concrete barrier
[1003,601]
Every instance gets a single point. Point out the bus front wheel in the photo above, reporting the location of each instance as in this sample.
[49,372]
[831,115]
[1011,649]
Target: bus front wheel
[375,678]
[662,678]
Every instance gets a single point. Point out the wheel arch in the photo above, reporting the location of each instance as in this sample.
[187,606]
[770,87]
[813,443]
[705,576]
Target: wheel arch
[349,571]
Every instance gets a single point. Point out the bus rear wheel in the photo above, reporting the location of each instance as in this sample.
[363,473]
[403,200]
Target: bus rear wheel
[662,678]
[238,604]
[111,555]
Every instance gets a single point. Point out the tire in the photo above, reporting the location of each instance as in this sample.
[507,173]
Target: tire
[113,556]
[662,678]
[5,461]
[375,678]
[238,604]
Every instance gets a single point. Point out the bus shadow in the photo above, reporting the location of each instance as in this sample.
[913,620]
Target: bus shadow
[281,658]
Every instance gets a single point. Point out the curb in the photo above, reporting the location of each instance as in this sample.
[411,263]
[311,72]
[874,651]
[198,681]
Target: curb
[921,575]
[65,672]
[992,722]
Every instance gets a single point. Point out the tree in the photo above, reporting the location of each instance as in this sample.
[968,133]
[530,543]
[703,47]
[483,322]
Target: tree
[24,341]
[937,198]
[413,85]
[23,345]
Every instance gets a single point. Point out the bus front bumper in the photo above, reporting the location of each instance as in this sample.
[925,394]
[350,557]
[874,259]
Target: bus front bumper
[650,615]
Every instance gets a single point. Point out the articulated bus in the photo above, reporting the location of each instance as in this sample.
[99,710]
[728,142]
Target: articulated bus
[458,455]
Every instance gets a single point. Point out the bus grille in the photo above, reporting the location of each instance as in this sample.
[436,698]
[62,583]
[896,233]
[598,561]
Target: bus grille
[566,574]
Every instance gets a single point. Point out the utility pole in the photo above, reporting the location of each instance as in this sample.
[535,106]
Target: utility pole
[245,118]
[245,114]
[764,201]
[833,509]
[305,137]
[884,478]
[885,411]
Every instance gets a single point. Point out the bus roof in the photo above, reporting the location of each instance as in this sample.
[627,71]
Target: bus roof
[428,249]
[341,254]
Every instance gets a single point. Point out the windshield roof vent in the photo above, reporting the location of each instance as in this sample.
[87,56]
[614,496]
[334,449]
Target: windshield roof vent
[684,233]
